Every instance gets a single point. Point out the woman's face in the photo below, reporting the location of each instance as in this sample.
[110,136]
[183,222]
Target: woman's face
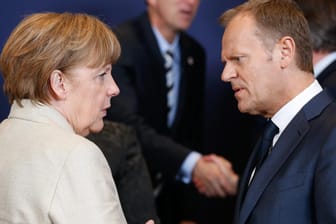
[90,92]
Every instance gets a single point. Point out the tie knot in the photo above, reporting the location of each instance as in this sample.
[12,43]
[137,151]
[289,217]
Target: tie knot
[270,130]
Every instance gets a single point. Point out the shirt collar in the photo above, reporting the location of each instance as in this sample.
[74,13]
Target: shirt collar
[290,109]
[163,43]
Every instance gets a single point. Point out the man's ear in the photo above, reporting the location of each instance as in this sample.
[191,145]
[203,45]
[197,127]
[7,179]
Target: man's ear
[287,51]
[58,84]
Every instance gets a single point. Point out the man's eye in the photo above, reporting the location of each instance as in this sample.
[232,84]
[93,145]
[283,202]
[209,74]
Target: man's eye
[237,59]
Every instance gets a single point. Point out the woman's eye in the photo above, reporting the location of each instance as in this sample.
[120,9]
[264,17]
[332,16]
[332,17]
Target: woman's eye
[102,75]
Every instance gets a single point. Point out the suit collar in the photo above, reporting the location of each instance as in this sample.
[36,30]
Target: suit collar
[39,113]
[147,36]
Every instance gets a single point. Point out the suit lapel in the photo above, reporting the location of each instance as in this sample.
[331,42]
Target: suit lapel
[149,39]
[153,76]
[186,69]
[244,182]
[288,141]
[285,145]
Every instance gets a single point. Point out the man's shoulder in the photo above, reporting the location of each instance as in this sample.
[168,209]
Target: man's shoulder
[188,41]
[129,28]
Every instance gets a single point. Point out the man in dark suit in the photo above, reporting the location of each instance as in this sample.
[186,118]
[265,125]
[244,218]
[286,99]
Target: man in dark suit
[169,128]
[267,52]
[122,150]
[321,17]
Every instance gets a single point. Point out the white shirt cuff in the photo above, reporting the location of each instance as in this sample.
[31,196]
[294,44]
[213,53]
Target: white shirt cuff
[185,172]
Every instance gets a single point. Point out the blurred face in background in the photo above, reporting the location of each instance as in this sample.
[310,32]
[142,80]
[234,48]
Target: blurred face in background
[174,15]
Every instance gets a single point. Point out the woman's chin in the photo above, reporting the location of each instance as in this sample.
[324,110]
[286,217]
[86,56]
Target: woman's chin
[97,126]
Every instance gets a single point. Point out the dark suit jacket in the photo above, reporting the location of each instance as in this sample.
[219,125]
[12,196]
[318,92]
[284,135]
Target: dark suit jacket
[122,150]
[140,75]
[327,78]
[296,184]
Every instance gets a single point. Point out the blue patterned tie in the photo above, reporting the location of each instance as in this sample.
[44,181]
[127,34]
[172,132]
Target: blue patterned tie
[169,59]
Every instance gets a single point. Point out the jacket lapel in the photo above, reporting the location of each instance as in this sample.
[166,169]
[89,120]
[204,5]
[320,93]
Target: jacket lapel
[285,145]
[281,151]
[186,69]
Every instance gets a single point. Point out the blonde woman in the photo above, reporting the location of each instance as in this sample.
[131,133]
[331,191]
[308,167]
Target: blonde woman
[57,76]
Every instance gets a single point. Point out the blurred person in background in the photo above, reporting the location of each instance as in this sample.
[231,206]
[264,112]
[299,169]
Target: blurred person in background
[161,74]
[321,17]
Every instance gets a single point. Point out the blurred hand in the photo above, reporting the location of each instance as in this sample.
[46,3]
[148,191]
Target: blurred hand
[150,222]
[187,222]
[213,176]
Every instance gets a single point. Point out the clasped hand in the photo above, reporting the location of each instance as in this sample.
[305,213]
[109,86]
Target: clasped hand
[213,176]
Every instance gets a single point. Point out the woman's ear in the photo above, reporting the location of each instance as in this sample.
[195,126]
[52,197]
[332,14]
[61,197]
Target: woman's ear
[287,50]
[58,84]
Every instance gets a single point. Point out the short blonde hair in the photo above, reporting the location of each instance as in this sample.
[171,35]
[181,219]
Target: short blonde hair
[44,42]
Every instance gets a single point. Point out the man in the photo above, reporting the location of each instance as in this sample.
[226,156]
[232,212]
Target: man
[169,128]
[321,17]
[267,54]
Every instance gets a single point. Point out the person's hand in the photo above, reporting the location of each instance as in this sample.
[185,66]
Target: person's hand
[226,167]
[187,222]
[150,222]
[213,176]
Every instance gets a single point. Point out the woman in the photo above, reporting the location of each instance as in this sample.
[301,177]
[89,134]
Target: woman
[57,76]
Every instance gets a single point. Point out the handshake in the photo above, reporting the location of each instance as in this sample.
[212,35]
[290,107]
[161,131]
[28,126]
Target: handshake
[213,176]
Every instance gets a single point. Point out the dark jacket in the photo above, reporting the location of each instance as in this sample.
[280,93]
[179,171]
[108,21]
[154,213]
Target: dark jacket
[296,184]
[122,150]
[142,103]
[327,78]
[140,74]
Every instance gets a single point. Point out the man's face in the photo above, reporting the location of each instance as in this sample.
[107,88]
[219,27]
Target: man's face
[252,70]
